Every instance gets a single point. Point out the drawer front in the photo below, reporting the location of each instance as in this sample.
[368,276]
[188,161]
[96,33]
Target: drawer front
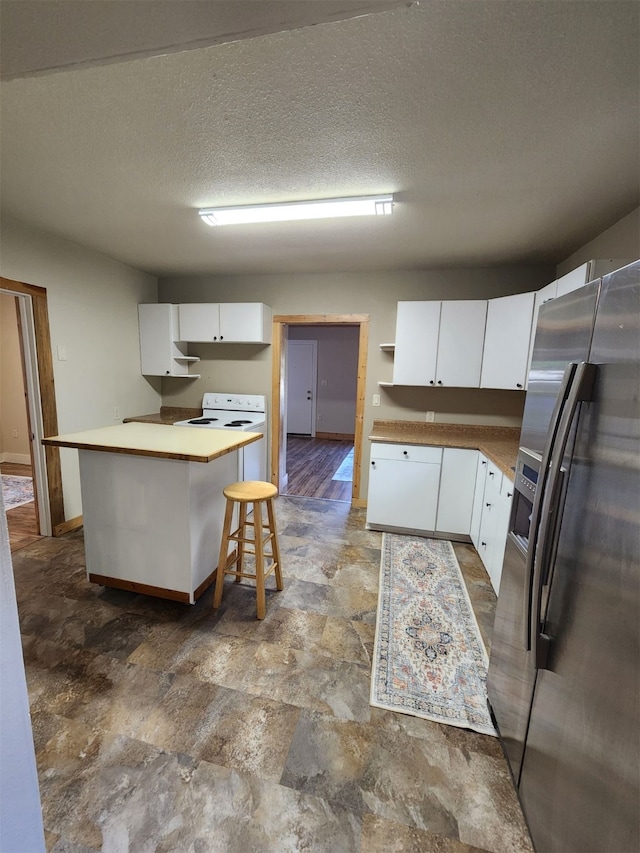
[408,452]
[494,477]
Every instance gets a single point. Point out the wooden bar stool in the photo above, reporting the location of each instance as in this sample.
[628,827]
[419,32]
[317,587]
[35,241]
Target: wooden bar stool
[250,492]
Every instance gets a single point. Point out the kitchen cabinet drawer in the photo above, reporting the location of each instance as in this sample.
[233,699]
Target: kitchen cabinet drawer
[406,452]
[494,477]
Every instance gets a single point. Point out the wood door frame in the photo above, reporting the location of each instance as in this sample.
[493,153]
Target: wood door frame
[278,438]
[46,387]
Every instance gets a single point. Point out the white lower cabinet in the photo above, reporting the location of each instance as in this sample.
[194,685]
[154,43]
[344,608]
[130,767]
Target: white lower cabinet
[457,486]
[478,497]
[403,486]
[494,522]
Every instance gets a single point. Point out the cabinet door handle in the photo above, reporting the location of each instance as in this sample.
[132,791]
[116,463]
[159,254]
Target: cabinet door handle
[439,381]
[509,494]
[487,504]
[431,382]
[492,473]
[518,384]
[405,452]
[484,544]
[215,338]
[221,337]
[484,461]
[373,463]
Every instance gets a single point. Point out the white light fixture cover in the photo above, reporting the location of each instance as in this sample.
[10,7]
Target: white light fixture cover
[372,205]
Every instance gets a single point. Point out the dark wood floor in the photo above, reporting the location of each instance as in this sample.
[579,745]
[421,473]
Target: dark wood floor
[21,521]
[311,463]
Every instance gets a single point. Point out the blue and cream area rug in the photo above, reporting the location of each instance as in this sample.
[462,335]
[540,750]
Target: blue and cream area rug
[429,658]
[16,491]
[345,471]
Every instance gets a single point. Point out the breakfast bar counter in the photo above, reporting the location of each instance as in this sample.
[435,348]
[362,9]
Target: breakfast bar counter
[153,505]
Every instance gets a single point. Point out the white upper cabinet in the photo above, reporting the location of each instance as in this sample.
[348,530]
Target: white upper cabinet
[460,344]
[573,280]
[417,328]
[161,352]
[439,343]
[199,321]
[506,343]
[226,322]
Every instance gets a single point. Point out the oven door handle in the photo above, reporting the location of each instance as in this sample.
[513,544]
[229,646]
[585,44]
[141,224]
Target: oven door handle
[534,526]
[581,391]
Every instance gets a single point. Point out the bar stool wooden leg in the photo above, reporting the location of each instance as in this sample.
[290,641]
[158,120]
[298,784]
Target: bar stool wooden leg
[242,523]
[275,548]
[222,561]
[259,543]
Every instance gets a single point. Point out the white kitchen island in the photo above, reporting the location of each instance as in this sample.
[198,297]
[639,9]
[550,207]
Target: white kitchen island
[153,505]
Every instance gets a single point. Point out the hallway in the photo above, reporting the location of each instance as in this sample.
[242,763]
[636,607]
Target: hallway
[311,465]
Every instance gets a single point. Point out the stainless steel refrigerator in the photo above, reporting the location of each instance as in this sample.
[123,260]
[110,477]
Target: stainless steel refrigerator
[564,672]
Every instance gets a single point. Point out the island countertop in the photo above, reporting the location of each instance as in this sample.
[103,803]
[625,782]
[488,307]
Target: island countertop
[499,444]
[161,441]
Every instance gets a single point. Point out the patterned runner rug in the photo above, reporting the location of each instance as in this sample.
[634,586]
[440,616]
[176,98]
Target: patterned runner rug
[16,490]
[429,659]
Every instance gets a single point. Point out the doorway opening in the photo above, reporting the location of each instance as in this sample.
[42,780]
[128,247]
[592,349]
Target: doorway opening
[319,373]
[32,315]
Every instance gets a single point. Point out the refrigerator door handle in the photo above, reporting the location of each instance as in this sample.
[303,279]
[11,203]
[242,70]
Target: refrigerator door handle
[534,526]
[580,391]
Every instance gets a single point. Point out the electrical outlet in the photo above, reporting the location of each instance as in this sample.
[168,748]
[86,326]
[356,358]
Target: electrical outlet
[323,382]
[15,433]
[376,400]
[431,416]
[319,417]
[116,413]
[62,353]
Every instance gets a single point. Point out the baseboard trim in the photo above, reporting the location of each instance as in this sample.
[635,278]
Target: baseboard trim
[359,502]
[16,458]
[68,526]
[336,436]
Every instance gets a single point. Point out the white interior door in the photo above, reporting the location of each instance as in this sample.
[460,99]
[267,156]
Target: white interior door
[301,387]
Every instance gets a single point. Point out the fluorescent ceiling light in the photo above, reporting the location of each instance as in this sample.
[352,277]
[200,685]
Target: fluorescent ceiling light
[372,205]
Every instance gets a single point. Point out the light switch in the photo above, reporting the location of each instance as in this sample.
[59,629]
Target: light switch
[323,381]
[62,353]
[376,400]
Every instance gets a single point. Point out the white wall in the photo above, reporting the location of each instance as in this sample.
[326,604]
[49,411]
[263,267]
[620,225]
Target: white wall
[13,409]
[338,369]
[93,315]
[20,812]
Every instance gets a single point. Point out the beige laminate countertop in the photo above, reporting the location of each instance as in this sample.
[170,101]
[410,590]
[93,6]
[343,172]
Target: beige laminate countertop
[161,441]
[499,444]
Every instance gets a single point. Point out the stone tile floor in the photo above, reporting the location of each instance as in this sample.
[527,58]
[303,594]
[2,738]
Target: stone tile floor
[167,727]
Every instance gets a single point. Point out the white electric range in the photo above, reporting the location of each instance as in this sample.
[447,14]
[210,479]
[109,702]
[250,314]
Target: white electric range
[240,412]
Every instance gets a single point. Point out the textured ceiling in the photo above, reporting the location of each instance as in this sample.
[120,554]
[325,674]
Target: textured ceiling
[508,131]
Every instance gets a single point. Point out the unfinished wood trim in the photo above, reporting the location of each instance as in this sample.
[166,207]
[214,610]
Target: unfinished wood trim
[68,526]
[361,390]
[143,588]
[336,436]
[360,502]
[44,360]
[277,401]
[280,321]
[23,366]
[321,319]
